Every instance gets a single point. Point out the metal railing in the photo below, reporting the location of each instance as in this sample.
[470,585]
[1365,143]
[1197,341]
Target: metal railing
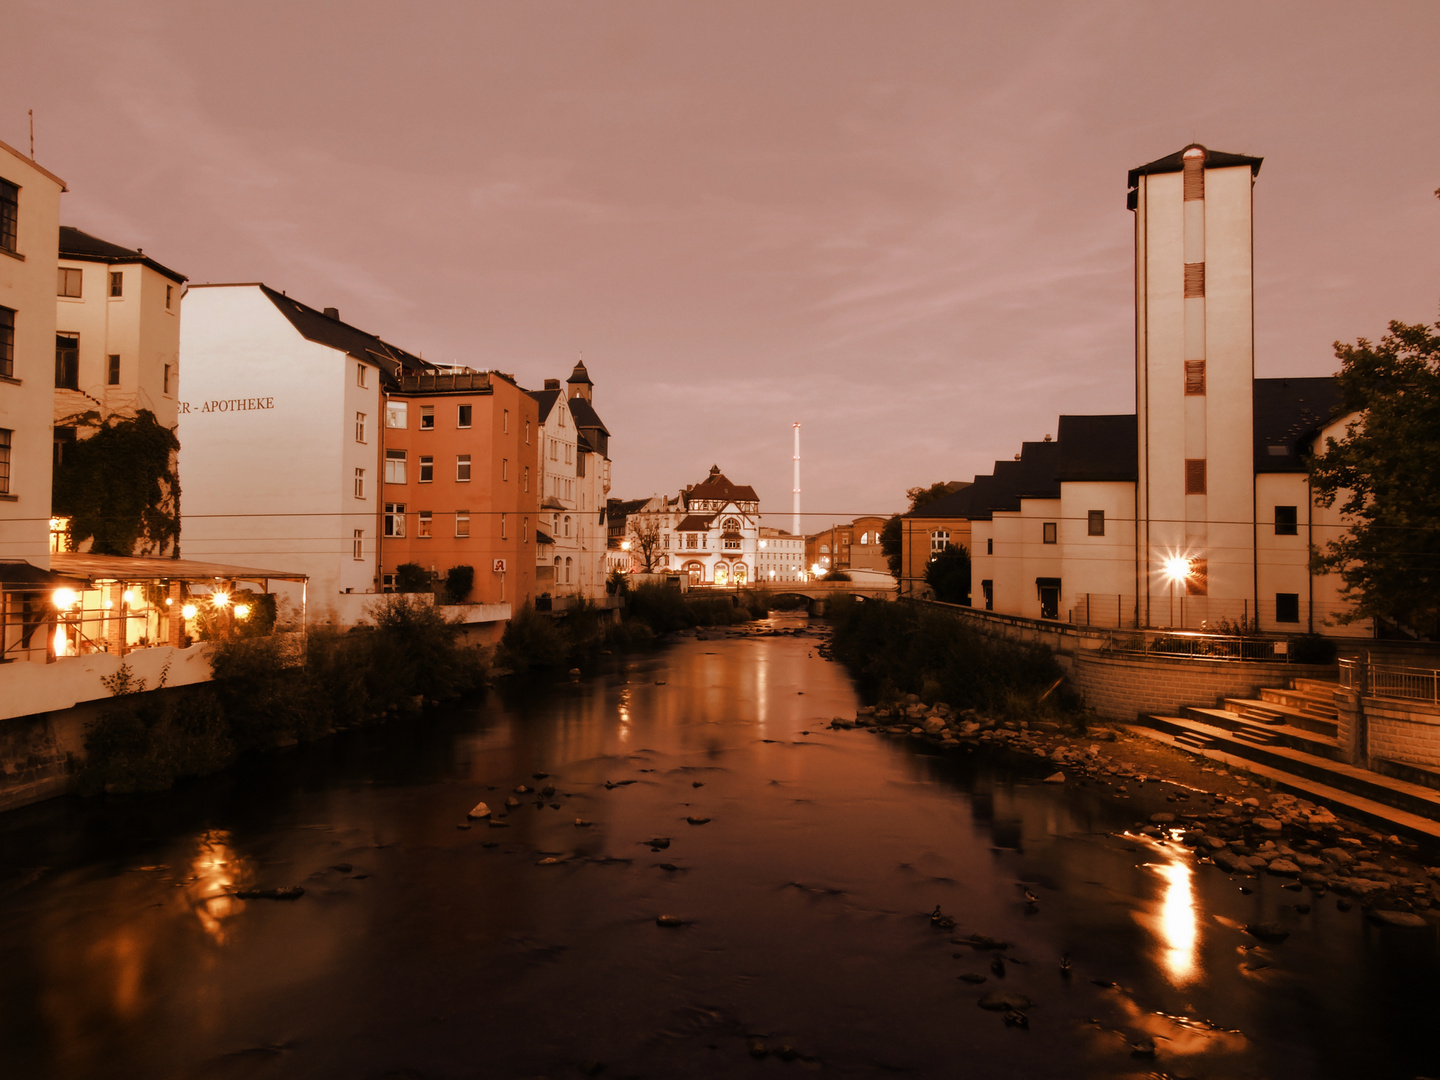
[1405,683]
[1197,646]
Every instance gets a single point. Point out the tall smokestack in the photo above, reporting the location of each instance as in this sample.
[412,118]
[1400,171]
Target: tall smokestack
[795,519]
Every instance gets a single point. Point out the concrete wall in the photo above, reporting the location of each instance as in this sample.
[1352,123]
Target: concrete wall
[1405,731]
[1123,687]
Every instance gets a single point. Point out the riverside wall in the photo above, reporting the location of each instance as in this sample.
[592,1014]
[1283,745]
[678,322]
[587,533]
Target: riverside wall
[1121,687]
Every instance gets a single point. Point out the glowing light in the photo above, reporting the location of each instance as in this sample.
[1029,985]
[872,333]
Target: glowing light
[1177,925]
[188,611]
[128,597]
[241,610]
[764,543]
[169,601]
[62,644]
[64,599]
[108,604]
[624,545]
[220,599]
[1177,568]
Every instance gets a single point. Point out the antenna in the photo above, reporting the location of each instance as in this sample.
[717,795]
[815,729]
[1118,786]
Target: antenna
[795,512]
[32,134]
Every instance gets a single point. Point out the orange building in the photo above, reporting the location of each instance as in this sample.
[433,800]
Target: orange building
[459,482]
[925,532]
[853,546]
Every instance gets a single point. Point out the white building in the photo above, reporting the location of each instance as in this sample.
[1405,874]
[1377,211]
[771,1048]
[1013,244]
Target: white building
[1196,509]
[29,235]
[710,531]
[780,556]
[574,474]
[280,427]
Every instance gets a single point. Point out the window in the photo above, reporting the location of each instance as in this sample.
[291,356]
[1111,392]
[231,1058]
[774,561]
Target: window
[395,414]
[1194,280]
[423,524]
[1195,378]
[70,282]
[427,417]
[1047,535]
[394,466]
[568,564]
[567,524]
[112,370]
[427,469]
[525,530]
[692,540]
[169,294]
[67,361]
[1287,607]
[1194,476]
[525,477]
[9,214]
[360,427]
[505,421]
[359,483]
[359,544]
[989,545]
[554,450]
[504,526]
[1287,521]
[64,439]
[527,432]
[987,589]
[562,416]
[462,523]
[462,468]
[117,283]
[169,386]
[504,468]
[7,342]
[1096,523]
[1197,582]
[7,438]
[569,454]
[360,375]
[394,519]
[462,415]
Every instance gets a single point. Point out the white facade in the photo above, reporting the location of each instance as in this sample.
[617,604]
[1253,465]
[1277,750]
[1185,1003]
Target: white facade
[29,240]
[709,531]
[574,476]
[279,439]
[780,556]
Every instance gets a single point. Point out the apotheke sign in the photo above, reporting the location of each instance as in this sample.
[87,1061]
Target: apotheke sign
[229,405]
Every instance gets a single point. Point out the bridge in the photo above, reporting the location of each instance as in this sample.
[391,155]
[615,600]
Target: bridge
[816,592]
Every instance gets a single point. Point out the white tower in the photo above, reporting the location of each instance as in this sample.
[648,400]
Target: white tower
[795,513]
[1195,368]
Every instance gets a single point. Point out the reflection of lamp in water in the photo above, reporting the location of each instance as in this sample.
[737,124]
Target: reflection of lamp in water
[1178,928]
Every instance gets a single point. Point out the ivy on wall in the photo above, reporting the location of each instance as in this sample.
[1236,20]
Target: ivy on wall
[118,485]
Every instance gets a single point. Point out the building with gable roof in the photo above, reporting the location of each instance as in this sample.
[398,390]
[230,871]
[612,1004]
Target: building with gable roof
[710,530]
[1195,510]
[574,485]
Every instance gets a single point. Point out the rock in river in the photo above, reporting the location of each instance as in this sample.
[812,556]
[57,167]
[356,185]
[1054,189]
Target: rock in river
[1405,920]
[1282,868]
[284,892]
[1003,1000]
[1268,932]
[481,811]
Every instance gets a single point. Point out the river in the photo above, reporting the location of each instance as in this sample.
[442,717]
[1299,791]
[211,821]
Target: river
[427,946]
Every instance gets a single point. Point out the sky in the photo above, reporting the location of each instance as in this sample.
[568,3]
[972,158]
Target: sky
[900,224]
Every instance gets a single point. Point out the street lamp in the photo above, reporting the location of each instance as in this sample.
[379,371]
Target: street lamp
[1177,568]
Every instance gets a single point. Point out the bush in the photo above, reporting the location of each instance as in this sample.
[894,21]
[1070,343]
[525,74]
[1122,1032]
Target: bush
[948,573]
[412,578]
[414,652]
[896,648]
[459,580]
[531,640]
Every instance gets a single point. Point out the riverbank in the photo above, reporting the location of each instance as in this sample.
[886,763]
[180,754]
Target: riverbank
[1232,821]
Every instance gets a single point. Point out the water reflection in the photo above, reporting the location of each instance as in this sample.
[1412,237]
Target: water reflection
[215,872]
[1177,922]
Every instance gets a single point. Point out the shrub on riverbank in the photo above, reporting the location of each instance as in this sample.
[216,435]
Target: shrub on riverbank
[897,649]
[264,693]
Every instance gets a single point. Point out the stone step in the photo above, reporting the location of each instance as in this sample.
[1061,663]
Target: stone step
[1321,705]
[1323,687]
[1414,772]
[1411,798]
[1270,712]
[1257,735]
[1194,740]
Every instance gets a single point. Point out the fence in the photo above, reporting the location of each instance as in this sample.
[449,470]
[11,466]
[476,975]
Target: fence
[1198,646]
[1184,611]
[1391,680]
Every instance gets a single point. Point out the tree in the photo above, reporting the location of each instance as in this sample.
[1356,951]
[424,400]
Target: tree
[948,573]
[1386,470]
[119,485]
[645,540]
[892,540]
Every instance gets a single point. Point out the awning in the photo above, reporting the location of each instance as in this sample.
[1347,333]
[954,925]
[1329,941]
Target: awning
[17,575]
[83,564]
[542,537]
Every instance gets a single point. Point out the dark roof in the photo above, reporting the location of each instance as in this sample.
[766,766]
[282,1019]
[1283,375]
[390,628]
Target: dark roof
[75,244]
[320,328]
[1038,462]
[999,493]
[956,504]
[546,400]
[695,523]
[580,375]
[1097,447]
[585,415]
[25,577]
[717,487]
[449,382]
[542,537]
[1172,163]
[1288,413]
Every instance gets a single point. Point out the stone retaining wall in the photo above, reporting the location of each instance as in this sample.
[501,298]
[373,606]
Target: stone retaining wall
[1122,687]
[1406,731]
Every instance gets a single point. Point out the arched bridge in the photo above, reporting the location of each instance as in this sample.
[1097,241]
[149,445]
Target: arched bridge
[816,592]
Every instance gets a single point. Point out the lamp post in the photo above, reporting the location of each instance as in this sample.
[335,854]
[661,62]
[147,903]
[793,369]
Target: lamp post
[1176,569]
